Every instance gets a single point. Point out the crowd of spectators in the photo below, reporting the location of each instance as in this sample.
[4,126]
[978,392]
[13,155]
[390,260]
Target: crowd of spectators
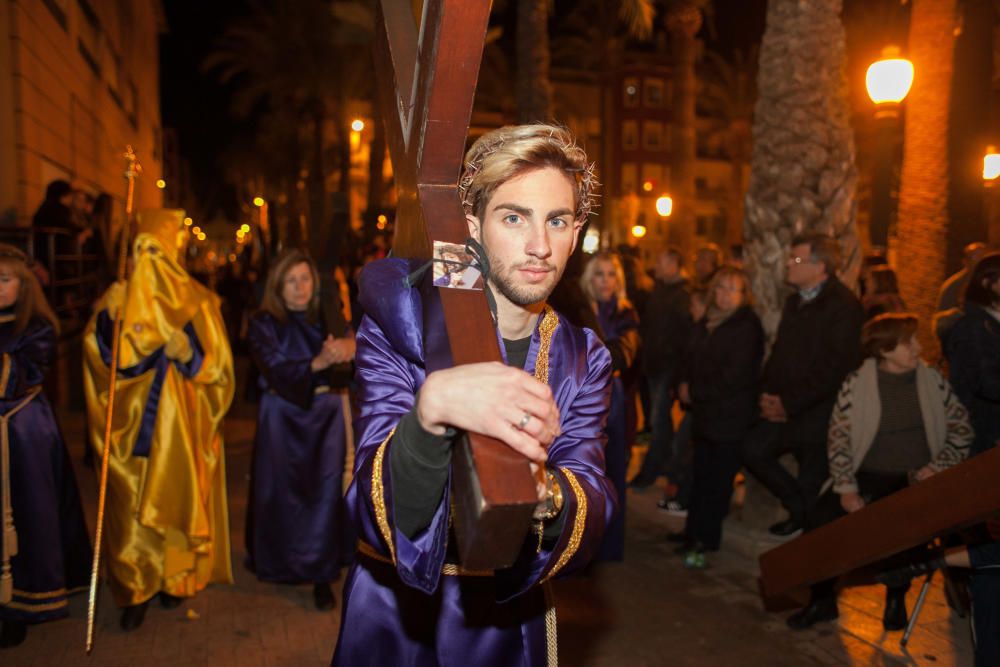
[842,389]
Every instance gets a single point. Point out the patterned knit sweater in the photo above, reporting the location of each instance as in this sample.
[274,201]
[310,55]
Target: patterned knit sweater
[857,414]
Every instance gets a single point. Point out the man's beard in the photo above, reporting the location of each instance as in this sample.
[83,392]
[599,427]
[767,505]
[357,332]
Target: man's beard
[520,295]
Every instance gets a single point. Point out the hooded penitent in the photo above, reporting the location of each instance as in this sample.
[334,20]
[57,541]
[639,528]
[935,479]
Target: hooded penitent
[167,523]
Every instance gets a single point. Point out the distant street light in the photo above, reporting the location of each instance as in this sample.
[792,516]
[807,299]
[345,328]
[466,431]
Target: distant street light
[638,231]
[160,183]
[664,206]
[888,81]
[357,125]
[991,171]
[991,165]
[188,222]
[258,201]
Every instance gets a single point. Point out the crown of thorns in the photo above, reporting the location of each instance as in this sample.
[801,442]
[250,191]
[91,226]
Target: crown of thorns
[586,178]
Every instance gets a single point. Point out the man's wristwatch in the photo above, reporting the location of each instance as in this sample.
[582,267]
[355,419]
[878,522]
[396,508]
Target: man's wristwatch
[553,502]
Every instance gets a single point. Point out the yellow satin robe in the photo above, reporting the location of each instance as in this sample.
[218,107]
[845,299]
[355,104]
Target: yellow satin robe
[166,518]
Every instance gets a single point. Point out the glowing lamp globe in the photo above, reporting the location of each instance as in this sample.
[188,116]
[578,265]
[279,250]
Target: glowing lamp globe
[592,241]
[357,125]
[258,201]
[638,231]
[889,79]
[664,206]
[991,164]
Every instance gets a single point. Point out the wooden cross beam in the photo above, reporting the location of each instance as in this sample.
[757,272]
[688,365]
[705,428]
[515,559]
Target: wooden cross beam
[427,82]
[962,496]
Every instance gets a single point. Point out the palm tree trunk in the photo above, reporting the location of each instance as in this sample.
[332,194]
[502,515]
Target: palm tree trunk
[683,21]
[739,137]
[803,177]
[534,90]
[922,228]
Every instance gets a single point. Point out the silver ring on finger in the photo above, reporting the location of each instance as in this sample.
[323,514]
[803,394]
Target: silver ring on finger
[524,421]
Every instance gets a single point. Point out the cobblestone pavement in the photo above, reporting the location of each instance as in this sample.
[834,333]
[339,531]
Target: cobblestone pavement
[646,611]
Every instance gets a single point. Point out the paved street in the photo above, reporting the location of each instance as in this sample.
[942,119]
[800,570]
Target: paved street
[646,611]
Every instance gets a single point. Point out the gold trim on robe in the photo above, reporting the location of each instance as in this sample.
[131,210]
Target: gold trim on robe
[378,496]
[579,522]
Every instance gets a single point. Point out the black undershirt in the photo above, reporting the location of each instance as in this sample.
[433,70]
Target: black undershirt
[419,463]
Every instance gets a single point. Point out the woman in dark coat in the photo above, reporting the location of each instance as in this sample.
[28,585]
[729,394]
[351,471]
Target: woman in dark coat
[45,543]
[294,522]
[720,385]
[972,346]
[603,281]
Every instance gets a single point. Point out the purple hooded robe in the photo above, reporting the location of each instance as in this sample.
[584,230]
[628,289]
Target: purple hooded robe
[405,602]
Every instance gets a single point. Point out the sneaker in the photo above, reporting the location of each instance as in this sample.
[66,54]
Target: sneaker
[672,506]
[694,560]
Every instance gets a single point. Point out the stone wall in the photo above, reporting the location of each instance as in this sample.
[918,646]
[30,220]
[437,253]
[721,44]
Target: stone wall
[79,80]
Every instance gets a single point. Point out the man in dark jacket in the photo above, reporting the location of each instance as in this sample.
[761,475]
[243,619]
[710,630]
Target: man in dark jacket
[666,328]
[818,344]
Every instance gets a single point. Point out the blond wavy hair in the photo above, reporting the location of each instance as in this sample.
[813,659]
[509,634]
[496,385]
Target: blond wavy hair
[505,153]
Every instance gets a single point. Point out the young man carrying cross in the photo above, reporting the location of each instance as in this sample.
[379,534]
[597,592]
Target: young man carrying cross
[527,191]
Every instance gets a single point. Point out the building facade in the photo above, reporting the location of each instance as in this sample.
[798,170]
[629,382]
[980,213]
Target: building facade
[79,81]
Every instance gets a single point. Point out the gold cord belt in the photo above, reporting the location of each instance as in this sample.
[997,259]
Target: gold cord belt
[9,533]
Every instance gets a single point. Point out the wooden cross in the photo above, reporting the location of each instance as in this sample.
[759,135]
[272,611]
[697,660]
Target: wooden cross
[957,498]
[427,82]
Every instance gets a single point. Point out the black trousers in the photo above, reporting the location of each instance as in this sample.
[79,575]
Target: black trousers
[871,487]
[715,468]
[761,449]
[984,587]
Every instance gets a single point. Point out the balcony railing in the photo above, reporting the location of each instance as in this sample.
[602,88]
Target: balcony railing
[75,277]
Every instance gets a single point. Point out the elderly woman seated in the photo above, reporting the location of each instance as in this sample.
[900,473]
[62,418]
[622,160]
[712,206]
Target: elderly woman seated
[896,422]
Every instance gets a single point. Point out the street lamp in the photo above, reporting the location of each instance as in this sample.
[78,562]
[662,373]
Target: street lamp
[357,125]
[991,165]
[991,172]
[160,183]
[664,206]
[258,201]
[888,81]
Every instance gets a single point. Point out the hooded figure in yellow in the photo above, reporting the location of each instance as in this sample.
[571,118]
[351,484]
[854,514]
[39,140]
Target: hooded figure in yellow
[166,522]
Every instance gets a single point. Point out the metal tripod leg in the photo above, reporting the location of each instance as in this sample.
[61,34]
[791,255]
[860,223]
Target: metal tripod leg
[916,609]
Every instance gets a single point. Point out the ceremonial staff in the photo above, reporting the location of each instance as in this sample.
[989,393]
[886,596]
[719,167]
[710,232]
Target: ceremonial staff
[131,171]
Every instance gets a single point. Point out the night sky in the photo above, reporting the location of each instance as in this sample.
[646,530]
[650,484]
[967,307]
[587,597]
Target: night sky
[198,107]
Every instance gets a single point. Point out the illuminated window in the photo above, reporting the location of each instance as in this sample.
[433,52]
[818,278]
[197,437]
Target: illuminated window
[653,93]
[652,136]
[630,135]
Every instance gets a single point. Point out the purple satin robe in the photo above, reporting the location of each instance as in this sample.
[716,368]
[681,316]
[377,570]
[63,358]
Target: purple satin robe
[53,558]
[399,608]
[295,511]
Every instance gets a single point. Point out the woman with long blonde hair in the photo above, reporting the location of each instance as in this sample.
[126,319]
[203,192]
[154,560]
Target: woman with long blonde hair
[52,554]
[603,281]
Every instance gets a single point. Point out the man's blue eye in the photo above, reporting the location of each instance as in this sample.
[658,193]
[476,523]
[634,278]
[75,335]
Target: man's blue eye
[557,222]
[512,218]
